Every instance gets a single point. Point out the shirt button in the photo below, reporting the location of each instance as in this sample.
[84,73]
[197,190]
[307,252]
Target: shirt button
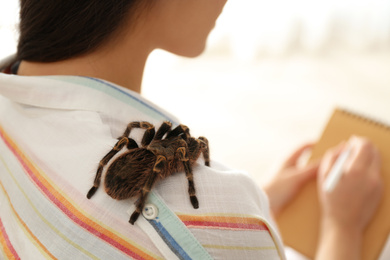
[150,211]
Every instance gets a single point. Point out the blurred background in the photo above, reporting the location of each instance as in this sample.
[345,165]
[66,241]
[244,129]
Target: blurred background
[271,76]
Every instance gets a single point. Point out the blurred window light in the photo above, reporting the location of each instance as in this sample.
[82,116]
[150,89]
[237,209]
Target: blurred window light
[9,14]
[251,28]
[278,27]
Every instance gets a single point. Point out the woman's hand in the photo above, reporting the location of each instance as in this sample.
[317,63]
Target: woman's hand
[357,194]
[289,180]
[349,207]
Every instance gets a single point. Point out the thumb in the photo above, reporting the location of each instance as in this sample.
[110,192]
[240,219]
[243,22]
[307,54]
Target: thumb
[328,160]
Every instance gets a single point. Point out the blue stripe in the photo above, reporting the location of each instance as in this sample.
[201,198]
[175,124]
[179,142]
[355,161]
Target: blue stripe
[174,233]
[169,240]
[130,96]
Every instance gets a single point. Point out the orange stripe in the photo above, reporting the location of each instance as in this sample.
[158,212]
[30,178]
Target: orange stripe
[222,219]
[25,226]
[235,217]
[38,174]
[8,250]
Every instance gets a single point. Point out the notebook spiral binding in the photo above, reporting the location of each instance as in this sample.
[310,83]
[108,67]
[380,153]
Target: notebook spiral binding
[365,118]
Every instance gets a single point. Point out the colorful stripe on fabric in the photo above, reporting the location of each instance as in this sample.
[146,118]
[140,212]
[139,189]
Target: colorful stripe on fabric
[46,221]
[258,248]
[69,208]
[226,221]
[174,233]
[117,93]
[132,97]
[28,232]
[169,240]
[8,249]
[223,222]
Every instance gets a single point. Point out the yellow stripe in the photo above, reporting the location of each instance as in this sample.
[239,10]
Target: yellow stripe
[240,247]
[45,220]
[77,211]
[279,250]
[7,252]
[25,229]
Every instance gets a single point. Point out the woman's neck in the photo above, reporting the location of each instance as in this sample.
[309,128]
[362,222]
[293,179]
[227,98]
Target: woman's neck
[120,61]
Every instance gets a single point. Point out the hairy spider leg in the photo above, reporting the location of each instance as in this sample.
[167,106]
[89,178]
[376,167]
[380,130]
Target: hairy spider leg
[183,156]
[194,148]
[205,150]
[162,130]
[148,135]
[158,167]
[124,141]
[180,129]
[197,146]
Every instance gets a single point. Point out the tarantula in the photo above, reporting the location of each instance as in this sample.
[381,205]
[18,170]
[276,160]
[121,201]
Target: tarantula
[135,171]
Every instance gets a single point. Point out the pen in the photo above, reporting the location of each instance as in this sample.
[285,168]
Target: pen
[336,171]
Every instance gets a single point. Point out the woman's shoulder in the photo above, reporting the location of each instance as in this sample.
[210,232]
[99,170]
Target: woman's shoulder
[217,184]
[233,219]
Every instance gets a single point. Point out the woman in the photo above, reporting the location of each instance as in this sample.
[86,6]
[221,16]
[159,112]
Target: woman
[71,91]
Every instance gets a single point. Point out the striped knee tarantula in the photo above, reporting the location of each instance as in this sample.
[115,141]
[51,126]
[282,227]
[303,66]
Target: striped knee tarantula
[135,171]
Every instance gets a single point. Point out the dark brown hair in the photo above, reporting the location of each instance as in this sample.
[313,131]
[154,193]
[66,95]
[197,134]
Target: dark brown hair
[52,30]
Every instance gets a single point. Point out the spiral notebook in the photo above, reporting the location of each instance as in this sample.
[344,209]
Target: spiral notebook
[299,221]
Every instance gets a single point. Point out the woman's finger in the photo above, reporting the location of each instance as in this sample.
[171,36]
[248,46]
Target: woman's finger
[292,160]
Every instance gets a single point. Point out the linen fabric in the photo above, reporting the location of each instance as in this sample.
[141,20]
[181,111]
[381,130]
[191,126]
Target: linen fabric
[54,131]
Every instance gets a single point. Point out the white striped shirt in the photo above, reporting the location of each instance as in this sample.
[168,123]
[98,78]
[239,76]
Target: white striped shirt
[53,133]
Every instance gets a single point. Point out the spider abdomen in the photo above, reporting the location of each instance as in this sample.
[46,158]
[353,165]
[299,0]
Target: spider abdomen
[127,175]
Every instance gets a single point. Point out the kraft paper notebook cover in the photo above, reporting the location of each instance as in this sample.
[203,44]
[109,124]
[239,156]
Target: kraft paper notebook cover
[299,222]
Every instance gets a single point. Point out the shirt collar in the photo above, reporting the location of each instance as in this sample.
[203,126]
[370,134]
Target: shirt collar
[78,93]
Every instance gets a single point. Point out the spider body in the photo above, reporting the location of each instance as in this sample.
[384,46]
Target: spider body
[134,173]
